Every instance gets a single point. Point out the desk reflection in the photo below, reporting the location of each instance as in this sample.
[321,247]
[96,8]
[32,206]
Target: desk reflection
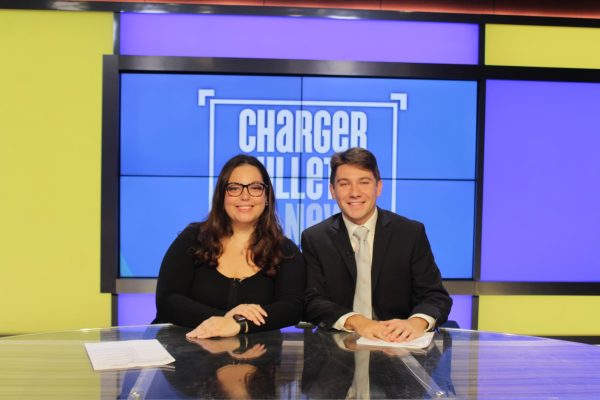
[330,366]
[335,367]
[241,367]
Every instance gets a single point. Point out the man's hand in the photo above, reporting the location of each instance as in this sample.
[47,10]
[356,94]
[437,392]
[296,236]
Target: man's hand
[366,327]
[215,326]
[402,330]
[252,312]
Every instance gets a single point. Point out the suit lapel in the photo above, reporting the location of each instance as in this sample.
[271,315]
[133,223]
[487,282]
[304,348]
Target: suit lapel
[383,235]
[341,241]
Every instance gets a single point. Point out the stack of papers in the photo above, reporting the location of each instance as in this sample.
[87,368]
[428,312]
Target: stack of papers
[127,354]
[419,343]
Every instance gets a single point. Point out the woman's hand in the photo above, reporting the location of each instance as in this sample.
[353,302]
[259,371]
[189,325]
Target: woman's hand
[252,312]
[215,327]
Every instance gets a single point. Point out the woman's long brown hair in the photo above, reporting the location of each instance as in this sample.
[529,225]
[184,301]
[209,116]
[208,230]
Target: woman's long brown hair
[266,243]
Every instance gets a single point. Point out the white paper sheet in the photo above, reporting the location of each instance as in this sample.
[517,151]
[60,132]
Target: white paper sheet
[127,354]
[419,343]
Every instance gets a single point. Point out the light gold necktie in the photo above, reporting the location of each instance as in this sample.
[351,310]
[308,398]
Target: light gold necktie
[362,292]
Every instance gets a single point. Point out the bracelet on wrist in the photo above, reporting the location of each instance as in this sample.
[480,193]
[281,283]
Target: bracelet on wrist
[242,322]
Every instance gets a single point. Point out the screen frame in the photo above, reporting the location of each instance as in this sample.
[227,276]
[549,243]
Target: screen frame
[115,65]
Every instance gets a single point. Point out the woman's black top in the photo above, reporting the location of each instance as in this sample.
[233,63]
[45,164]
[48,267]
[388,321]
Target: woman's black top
[187,293]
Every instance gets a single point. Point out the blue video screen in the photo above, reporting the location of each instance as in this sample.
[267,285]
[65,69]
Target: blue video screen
[541,214]
[178,130]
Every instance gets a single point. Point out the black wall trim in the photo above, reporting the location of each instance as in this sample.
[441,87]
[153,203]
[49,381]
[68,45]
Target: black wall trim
[263,66]
[581,339]
[109,245]
[539,288]
[468,287]
[475,288]
[456,287]
[114,306]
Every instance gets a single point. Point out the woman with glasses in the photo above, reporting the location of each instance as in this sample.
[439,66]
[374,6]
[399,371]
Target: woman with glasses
[235,272]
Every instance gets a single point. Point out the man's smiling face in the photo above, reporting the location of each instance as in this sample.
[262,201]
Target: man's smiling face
[356,191]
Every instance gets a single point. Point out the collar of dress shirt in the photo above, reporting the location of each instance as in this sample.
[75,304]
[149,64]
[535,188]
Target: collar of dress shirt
[370,225]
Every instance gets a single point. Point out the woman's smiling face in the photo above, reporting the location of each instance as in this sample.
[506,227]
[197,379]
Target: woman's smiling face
[245,209]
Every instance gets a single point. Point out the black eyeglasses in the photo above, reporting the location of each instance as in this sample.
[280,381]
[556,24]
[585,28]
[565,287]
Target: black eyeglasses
[255,189]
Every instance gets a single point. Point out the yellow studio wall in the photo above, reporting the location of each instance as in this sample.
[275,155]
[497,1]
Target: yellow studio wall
[540,315]
[542,46]
[50,161]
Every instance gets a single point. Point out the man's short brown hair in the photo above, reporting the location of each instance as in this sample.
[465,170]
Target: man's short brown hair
[356,156]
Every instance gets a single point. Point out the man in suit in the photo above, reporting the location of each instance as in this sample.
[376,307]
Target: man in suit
[369,270]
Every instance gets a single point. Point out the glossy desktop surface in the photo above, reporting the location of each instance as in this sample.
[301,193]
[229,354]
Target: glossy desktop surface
[302,363]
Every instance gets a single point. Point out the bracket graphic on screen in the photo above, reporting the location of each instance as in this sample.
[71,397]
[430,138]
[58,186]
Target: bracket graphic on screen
[341,117]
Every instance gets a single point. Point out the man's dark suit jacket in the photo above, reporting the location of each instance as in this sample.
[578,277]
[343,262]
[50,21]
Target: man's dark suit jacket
[404,277]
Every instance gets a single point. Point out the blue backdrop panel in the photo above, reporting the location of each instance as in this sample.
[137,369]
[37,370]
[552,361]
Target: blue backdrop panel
[435,133]
[290,37]
[542,182]
[447,208]
[153,212]
[165,131]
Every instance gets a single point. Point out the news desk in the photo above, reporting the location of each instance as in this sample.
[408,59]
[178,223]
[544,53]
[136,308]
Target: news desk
[302,363]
